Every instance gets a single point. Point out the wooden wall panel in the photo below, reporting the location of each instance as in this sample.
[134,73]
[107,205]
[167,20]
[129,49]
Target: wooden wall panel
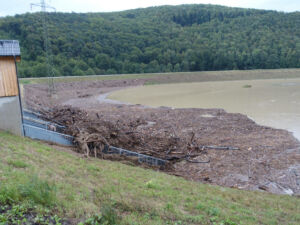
[8,77]
[2,90]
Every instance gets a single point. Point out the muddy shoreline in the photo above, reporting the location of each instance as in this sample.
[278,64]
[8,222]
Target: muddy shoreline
[268,159]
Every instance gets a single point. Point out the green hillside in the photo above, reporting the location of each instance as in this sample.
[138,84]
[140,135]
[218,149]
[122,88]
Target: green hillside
[51,185]
[158,39]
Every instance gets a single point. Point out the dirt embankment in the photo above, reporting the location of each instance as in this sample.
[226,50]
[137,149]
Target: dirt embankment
[267,159]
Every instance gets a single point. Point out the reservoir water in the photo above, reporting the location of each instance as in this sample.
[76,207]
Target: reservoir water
[274,103]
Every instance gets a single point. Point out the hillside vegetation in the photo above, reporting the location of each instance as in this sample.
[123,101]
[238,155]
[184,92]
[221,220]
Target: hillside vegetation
[45,185]
[157,39]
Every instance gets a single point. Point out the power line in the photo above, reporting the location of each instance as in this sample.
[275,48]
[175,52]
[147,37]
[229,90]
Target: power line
[47,44]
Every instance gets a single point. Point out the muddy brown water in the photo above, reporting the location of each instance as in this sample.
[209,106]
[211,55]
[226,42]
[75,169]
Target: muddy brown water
[274,103]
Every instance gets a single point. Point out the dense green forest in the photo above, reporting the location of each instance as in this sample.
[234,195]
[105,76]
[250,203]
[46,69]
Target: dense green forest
[157,39]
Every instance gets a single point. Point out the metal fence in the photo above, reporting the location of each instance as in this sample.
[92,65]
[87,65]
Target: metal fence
[141,158]
[36,128]
[47,135]
[43,124]
[33,119]
[30,114]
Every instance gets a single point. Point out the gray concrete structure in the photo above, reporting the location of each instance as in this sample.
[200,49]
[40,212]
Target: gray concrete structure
[10,115]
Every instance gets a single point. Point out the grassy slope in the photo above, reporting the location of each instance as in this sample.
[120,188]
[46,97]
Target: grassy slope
[79,188]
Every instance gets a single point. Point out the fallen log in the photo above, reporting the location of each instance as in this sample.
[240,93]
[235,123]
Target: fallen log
[203,147]
[196,161]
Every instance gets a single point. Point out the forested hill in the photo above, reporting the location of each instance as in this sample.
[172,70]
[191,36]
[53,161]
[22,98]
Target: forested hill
[157,39]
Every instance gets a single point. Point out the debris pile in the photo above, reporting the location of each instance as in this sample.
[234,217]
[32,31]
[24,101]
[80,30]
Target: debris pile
[93,132]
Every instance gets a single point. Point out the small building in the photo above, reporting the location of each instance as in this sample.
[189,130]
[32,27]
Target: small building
[10,103]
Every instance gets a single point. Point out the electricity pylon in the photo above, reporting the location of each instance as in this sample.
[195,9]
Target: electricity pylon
[47,44]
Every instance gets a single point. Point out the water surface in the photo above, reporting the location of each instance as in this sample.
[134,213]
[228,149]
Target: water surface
[274,103]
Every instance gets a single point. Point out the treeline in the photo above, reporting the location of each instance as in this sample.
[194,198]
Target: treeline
[157,39]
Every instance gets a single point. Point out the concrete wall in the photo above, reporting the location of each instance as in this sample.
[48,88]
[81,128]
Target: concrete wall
[10,115]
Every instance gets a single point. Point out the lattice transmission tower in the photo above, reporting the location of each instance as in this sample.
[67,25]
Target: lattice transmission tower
[47,44]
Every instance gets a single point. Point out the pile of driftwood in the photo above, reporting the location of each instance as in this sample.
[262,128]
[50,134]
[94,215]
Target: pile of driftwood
[92,133]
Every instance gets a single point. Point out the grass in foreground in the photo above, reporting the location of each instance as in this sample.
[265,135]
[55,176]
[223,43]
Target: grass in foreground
[53,184]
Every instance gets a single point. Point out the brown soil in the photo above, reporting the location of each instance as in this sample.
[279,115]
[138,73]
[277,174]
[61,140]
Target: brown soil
[268,159]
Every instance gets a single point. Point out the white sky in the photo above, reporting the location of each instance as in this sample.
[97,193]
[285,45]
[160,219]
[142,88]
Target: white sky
[12,7]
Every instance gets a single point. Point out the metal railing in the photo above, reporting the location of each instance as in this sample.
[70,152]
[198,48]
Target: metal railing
[47,135]
[141,157]
[36,128]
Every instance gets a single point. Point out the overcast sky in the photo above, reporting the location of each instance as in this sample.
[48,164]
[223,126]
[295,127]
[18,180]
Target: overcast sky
[12,7]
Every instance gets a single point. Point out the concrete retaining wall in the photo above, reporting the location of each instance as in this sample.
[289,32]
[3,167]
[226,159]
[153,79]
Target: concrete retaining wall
[10,115]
